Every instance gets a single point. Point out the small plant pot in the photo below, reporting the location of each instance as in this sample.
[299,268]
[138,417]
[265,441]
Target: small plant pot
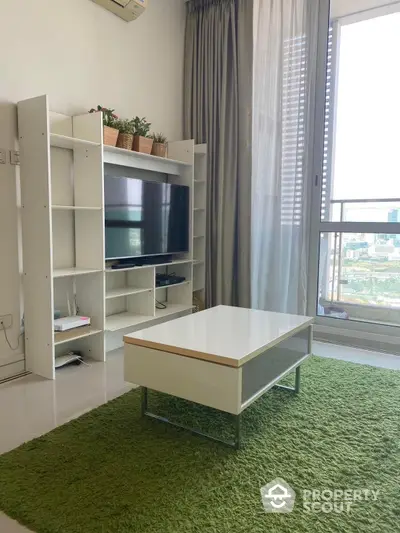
[125,140]
[110,136]
[142,144]
[159,149]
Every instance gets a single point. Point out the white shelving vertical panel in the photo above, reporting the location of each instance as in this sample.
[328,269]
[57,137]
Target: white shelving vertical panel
[181,294]
[89,239]
[88,127]
[141,304]
[33,126]
[62,192]
[60,124]
[200,226]
[199,277]
[184,151]
[200,220]
[89,192]
[63,239]
[89,162]
[90,292]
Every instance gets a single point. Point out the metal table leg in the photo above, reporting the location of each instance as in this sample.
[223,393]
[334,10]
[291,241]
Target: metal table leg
[296,387]
[238,431]
[144,401]
[297,381]
[236,443]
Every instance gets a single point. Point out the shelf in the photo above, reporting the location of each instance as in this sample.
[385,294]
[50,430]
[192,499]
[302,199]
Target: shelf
[125,320]
[128,320]
[198,262]
[77,333]
[172,263]
[67,272]
[198,237]
[200,149]
[62,141]
[75,208]
[199,209]
[199,181]
[125,291]
[130,158]
[173,285]
[172,309]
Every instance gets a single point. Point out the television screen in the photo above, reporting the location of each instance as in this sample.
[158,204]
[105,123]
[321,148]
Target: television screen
[145,218]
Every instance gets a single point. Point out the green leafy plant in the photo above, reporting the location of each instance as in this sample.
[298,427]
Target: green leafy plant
[141,126]
[124,126]
[159,138]
[109,117]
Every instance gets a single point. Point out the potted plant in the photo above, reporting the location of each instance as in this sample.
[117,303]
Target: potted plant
[159,144]
[141,140]
[110,131]
[125,137]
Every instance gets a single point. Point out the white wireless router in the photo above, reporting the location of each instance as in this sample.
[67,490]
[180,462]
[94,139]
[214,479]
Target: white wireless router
[71,322]
[67,359]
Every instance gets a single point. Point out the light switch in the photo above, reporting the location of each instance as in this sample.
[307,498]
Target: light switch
[3,156]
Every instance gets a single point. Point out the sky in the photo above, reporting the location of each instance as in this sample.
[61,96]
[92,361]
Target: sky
[367,145]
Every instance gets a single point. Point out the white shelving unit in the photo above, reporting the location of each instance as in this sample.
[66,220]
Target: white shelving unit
[200,221]
[62,187]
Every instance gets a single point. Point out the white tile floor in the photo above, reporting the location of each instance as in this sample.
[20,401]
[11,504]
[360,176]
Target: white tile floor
[31,406]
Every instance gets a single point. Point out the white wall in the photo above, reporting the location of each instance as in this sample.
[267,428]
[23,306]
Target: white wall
[81,55]
[341,8]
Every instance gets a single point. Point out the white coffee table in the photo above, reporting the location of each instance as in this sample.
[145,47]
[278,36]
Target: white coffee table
[224,357]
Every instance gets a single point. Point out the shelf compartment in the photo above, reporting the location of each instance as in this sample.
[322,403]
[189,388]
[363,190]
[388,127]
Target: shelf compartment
[173,285]
[60,337]
[125,291]
[73,271]
[130,158]
[74,208]
[172,309]
[125,320]
[62,141]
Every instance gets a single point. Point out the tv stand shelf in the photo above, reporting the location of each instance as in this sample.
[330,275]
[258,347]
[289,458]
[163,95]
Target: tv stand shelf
[125,320]
[170,263]
[125,291]
[65,206]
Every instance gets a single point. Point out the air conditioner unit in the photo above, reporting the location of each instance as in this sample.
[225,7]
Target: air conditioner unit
[126,9]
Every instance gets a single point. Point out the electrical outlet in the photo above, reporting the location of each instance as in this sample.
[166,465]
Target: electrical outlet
[14,157]
[3,156]
[5,321]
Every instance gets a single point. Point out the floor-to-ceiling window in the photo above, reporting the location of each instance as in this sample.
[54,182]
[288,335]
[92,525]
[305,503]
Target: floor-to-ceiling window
[357,230]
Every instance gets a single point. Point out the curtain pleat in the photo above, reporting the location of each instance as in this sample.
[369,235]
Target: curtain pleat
[217,111]
[283,128]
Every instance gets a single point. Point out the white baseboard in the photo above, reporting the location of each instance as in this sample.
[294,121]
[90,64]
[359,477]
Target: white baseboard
[12,369]
[358,339]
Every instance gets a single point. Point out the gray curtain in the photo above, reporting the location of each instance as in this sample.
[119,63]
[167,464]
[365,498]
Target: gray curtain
[217,111]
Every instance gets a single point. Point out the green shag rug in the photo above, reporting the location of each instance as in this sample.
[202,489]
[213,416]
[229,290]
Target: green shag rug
[111,471]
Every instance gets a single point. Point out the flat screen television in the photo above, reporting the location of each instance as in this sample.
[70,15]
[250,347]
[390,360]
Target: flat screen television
[144,218]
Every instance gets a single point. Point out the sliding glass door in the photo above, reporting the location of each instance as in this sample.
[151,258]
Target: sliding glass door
[355,241]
